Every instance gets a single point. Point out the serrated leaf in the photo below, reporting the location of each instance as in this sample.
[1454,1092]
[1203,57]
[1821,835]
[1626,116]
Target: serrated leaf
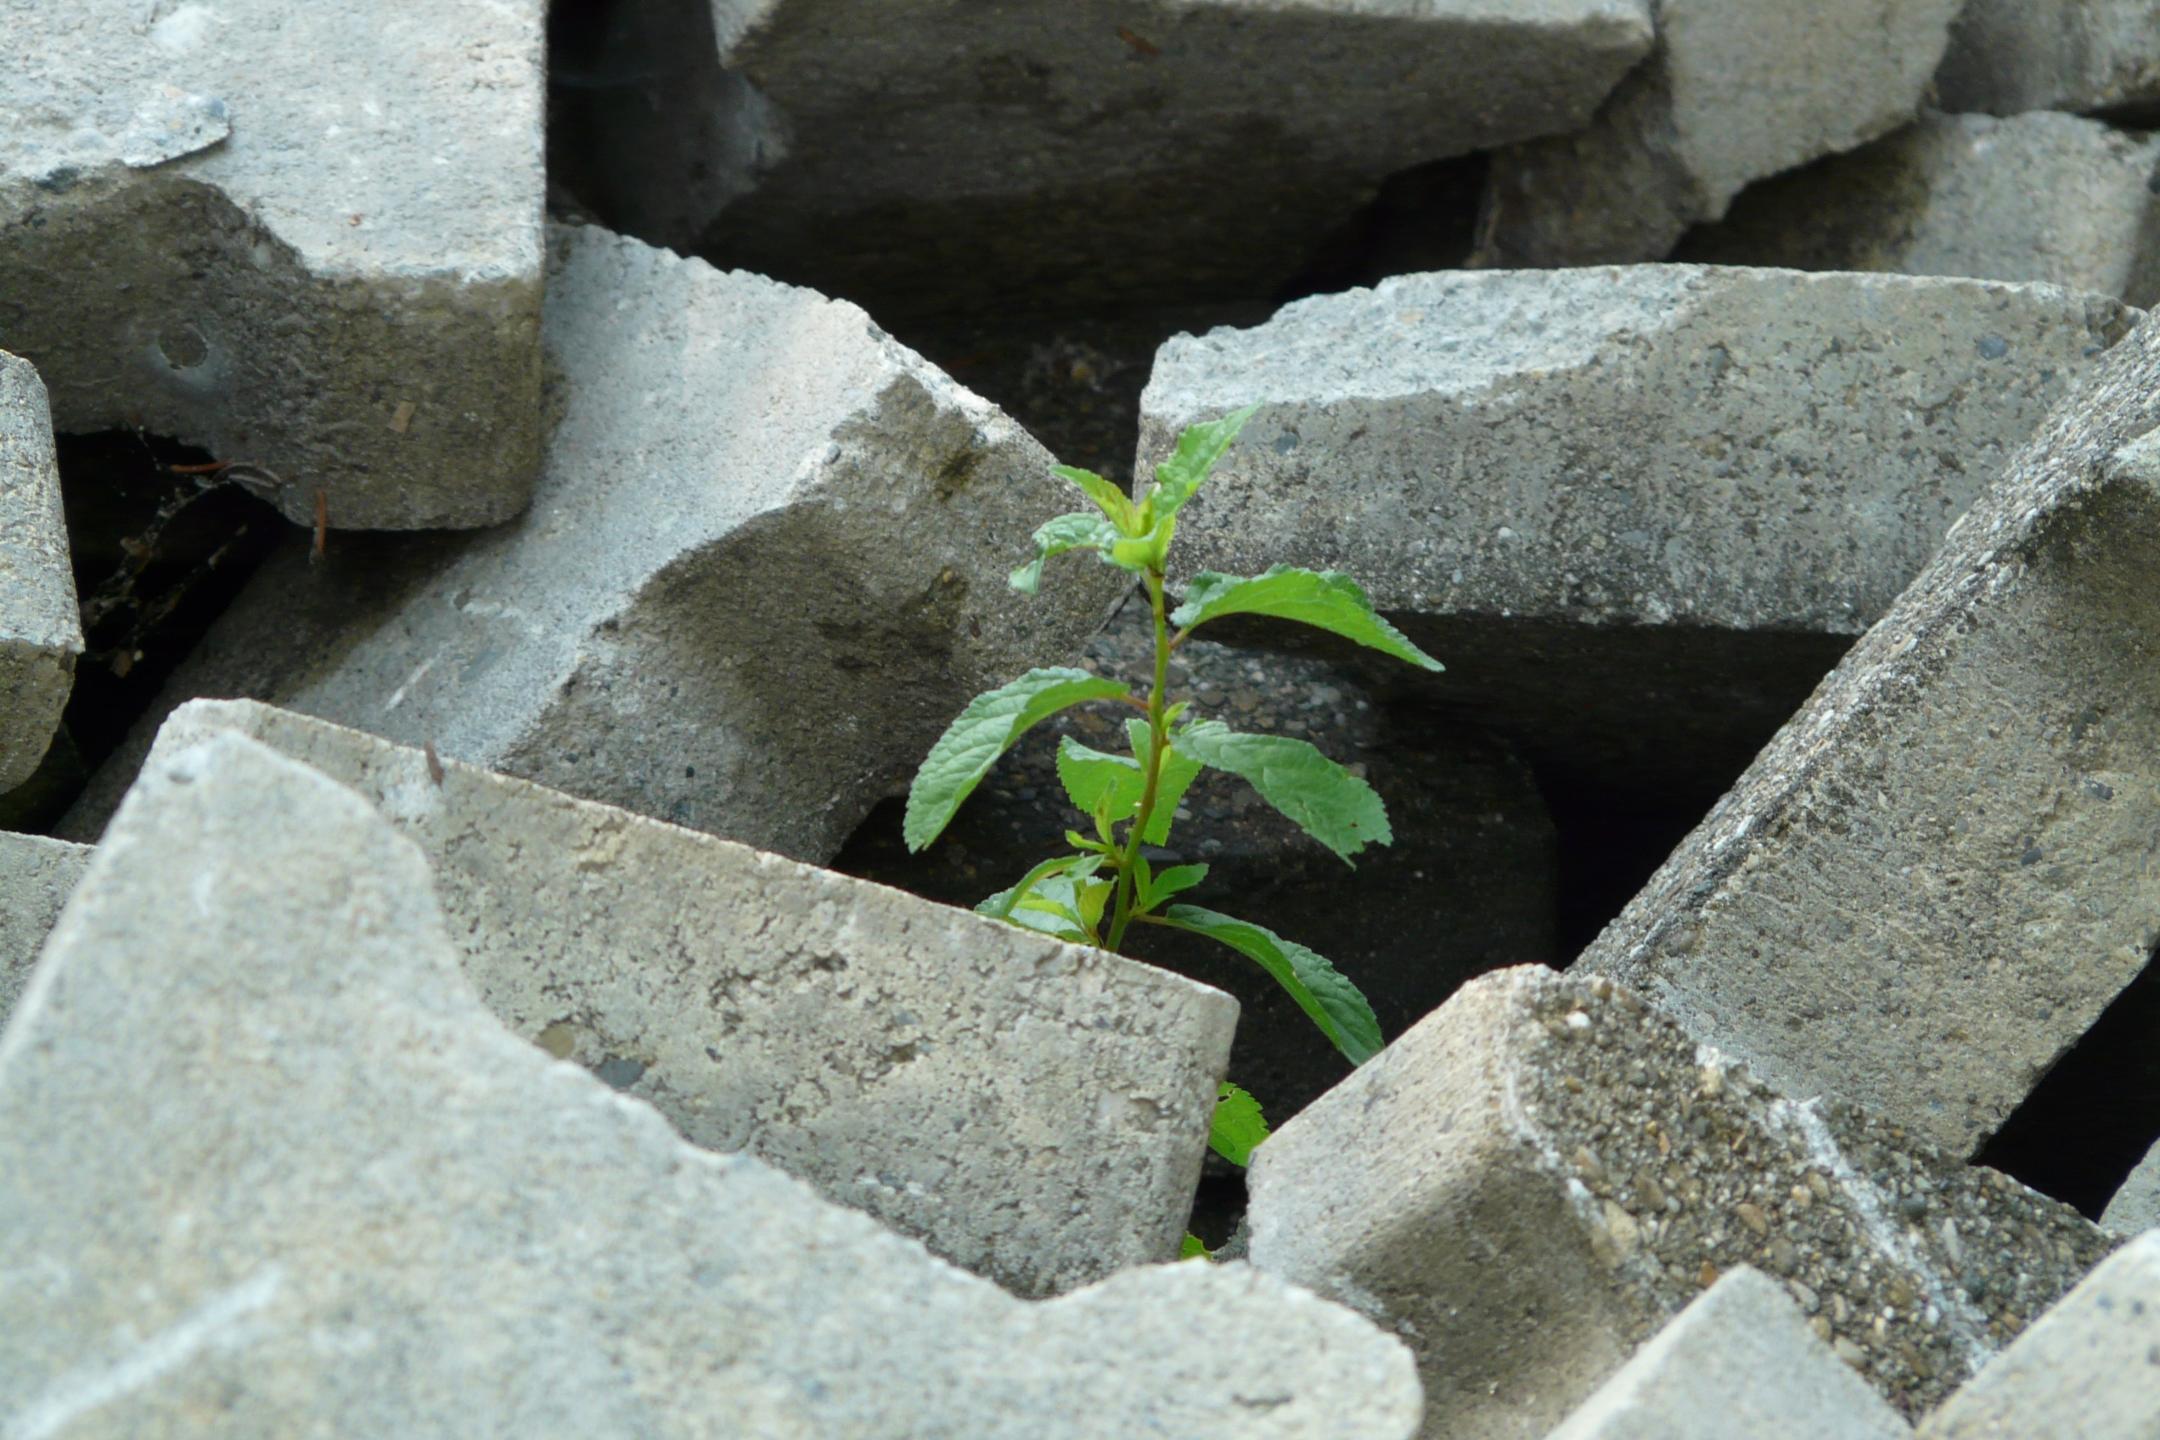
[1193,1248]
[1093,895]
[1321,991]
[1095,781]
[1113,502]
[1179,770]
[986,729]
[1000,905]
[1077,530]
[1198,448]
[1324,800]
[1237,1125]
[1173,881]
[1325,599]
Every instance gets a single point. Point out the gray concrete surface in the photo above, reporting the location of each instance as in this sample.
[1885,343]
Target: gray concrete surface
[2135,1206]
[306,238]
[2007,56]
[40,630]
[267,1167]
[1531,1183]
[37,875]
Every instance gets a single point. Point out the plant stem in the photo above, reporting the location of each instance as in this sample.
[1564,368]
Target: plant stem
[1122,916]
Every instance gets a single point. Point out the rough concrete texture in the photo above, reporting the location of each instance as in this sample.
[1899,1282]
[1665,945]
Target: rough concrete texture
[1033,1111]
[267,1167]
[1473,843]
[2089,1369]
[2007,56]
[1734,91]
[1531,1183]
[1102,148]
[2135,1207]
[1637,512]
[1738,1364]
[1940,871]
[2046,197]
[40,630]
[764,569]
[36,877]
[307,238]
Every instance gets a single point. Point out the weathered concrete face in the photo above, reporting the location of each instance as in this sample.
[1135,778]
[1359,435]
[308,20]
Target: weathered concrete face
[1109,148]
[1579,1171]
[304,238]
[274,1171]
[2007,56]
[765,568]
[2136,1205]
[1735,90]
[2043,197]
[1637,512]
[36,877]
[40,629]
[962,1081]
[2089,1368]
[1939,873]
[1738,1364]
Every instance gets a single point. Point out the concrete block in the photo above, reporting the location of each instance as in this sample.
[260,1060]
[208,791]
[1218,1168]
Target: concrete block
[307,238]
[958,1079]
[2135,1207]
[1738,1364]
[1637,512]
[2089,1369]
[40,628]
[1940,871]
[1535,1180]
[267,1167]
[1734,91]
[1096,149]
[2047,197]
[2007,56]
[36,877]
[764,569]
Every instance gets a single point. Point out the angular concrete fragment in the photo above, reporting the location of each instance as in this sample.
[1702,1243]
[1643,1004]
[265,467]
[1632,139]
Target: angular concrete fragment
[1637,512]
[268,1168]
[36,877]
[1096,149]
[764,569]
[2006,56]
[1738,1364]
[307,238]
[40,628]
[1940,871]
[2089,1369]
[2044,197]
[1033,1111]
[2135,1207]
[1736,90]
[1532,1182]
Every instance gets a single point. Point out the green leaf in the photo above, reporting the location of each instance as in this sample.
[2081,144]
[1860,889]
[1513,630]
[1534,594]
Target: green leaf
[1237,1126]
[1113,502]
[1326,599]
[1198,448]
[1173,881]
[1000,905]
[1179,770]
[1194,1248]
[986,729]
[1097,782]
[1075,531]
[1321,991]
[1326,801]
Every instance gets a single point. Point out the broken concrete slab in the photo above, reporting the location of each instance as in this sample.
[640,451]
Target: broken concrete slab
[2089,1369]
[37,875]
[2007,56]
[1580,1169]
[1739,1363]
[268,1167]
[40,630]
[2045,197]
[963,1081]
[1637,512]
[2135,1207]
[330,272]
[1732,93]
[1939,873]
[1103,150]
[764,569]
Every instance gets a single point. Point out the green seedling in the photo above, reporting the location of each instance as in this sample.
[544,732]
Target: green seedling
[1108,884]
